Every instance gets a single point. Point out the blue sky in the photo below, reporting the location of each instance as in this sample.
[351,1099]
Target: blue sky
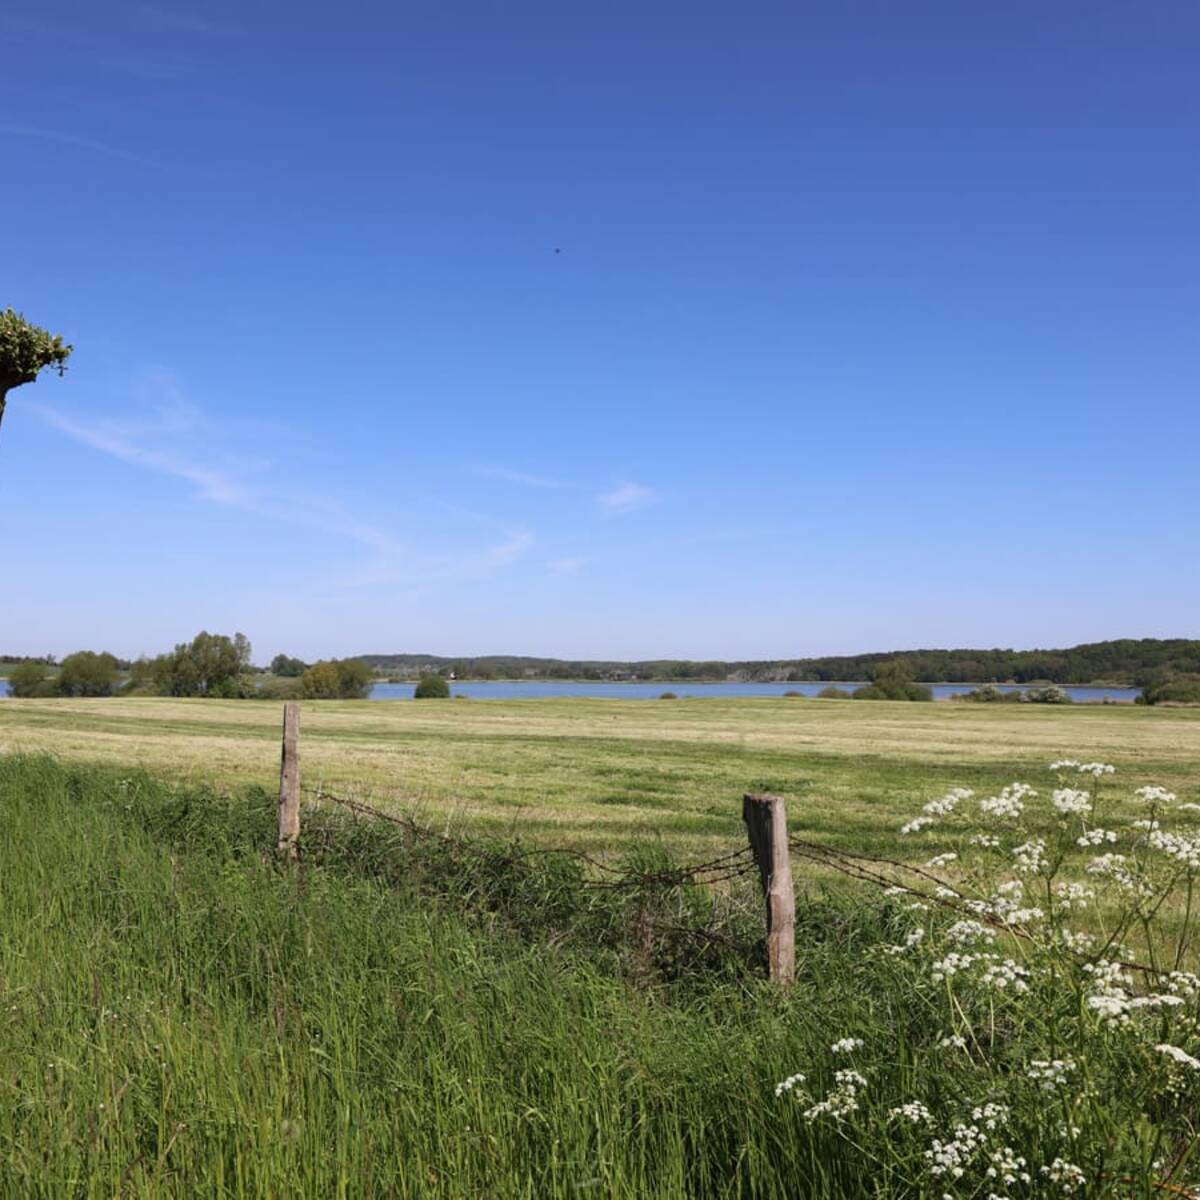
[872,326]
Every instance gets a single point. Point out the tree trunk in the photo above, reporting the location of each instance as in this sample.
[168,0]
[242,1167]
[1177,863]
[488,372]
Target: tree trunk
[3,400]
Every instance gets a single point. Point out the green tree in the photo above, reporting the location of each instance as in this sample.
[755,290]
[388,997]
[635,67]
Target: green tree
[29,679]
[337,679]
[211,664]
[893,680]
[288,668]
[431,687]
[24,351]
[87,673]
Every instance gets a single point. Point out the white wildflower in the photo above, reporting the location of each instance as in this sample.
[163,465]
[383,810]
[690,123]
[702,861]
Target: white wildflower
[953,1041]
[917,824]
[1077,943]
[954,1156]
[1049,1074]
[1005,974]
[790,1082]
[991,1116]
[1073,895]
[951,965]
[911,939]
[1177,846]
[945,893]
[1065,1174]
[847,1045]
[1009,803]
[1184,983]
[1180,1056]
[989,841]
[1096,769]
[914,1111]
[1095,837]
[1065,764]
[965,933]
[1030,856]
[1071,801]
[1155,795]
[1008,1166]
[842,1100]
[940,860]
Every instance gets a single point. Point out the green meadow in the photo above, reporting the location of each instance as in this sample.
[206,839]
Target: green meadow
[607,774]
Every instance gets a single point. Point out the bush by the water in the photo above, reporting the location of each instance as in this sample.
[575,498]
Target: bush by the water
[833,693]
[431,687]
[1175,689]
[893,681]
[668,696]
[337,679]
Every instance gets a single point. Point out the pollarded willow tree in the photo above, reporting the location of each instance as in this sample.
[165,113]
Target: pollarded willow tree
[25,350]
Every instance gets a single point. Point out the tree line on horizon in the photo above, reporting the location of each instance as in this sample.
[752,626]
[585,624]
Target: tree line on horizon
[1126,661]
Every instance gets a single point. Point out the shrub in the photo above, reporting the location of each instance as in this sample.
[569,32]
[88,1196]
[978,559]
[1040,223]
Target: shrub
[989,693]
[793,694]
[208,665]
[1050,694]
[1177,689]
[668,696]
[431,687]
[288,668]
[833,693]
[30,679]
[87,674]
[337,679]
[893,681]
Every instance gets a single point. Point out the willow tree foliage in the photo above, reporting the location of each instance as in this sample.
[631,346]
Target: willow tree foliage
[25,350]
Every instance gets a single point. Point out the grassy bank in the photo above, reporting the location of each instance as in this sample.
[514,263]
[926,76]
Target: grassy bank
[606,773]
[179,1016]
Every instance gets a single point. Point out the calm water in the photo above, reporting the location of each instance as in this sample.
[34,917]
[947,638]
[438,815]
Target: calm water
[543,689]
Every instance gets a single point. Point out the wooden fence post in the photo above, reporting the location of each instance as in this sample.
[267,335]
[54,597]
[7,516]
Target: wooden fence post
[766,823]
[289,782]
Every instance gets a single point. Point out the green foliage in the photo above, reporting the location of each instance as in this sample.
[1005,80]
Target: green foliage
[25,350]
[1175,689]
[211,664]
[30,678]
[668,696]
[833,693]
[431,687]
[288,668]
[87,673]
[893,681]
[278,689]
[337,679]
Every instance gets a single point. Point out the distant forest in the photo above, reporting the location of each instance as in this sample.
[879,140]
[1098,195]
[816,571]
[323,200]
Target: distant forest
[1125,661]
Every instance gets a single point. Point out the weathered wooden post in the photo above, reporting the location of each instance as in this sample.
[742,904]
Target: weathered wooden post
[766,823]
[289,782]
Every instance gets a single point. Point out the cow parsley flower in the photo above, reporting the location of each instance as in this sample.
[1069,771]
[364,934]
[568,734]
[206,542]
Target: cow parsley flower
[847,1045]
[1073,895]
[1049,1074]
[914,1111]
[788,1084]
[1066,1175]
[1096,769]
[1071,801]
[842,1100]
[911,939]
[1030,856]
[941,860]
[966,933]
[1010,803]
[1180,1056]
[1095,837]
[1155,795]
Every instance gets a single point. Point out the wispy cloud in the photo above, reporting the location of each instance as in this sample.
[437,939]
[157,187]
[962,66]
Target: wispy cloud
[62,138]
[212,484]
[568,565]
[626,497]
[506,476]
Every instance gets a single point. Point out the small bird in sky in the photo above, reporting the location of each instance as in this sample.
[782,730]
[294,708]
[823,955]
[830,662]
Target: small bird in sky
[557,250]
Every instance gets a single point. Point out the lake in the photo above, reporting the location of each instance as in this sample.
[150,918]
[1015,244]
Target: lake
[542,689]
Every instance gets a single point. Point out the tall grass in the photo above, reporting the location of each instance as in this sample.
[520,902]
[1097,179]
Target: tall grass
[180,1016]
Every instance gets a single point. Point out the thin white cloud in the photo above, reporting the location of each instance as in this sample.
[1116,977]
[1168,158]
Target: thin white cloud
[506,476]
[71,139]
[212,484]
[568,565]
[626,497]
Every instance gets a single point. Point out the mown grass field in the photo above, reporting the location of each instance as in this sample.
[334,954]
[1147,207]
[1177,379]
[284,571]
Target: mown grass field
[605,773]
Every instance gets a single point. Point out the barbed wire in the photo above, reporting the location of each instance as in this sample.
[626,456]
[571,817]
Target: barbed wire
[715,870]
